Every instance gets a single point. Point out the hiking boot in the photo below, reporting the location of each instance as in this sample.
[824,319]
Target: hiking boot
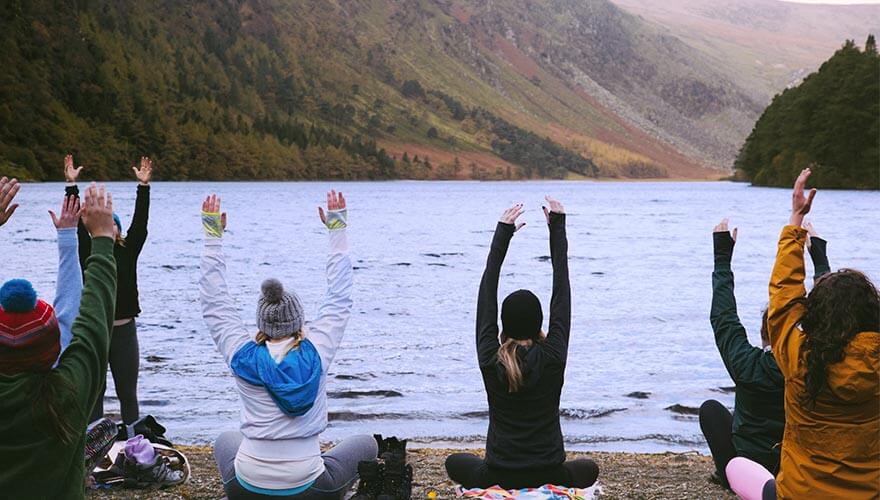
[370,484]
[393,447]
[381,444]
[397,483]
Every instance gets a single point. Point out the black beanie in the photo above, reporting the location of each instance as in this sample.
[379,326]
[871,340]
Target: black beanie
[521,315]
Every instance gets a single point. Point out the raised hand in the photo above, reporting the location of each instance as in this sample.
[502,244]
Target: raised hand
[555,207]
[800,204]
[8,189]
[811,232]
[722,227]
[97,212]
[145,172]
[213,221]
[70,213]
[336,216]
[70,173]
[511,214]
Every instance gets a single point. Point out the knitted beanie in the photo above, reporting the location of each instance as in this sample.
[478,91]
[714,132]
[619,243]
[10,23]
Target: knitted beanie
[118,222]
[521,315]
[279,313]
[30,339]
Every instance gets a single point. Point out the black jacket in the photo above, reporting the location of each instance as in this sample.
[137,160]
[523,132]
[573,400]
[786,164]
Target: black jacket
[524,430]
[759,417]
[127,305]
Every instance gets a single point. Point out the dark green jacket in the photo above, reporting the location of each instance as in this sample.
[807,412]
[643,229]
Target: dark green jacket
[34,463]
[759,417]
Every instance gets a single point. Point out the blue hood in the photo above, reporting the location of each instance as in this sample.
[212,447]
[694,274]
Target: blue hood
[293,383]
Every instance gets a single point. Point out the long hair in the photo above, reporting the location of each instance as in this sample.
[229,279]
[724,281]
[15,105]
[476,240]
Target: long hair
[48,394]
[298,337]
[509,359]
[840,306]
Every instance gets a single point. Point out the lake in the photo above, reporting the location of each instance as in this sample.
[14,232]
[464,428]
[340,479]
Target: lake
[640,263]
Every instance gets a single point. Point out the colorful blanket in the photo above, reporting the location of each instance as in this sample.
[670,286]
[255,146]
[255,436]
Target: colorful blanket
[546,492]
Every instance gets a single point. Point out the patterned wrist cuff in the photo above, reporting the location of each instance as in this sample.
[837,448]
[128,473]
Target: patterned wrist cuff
[337,219]
[212,225]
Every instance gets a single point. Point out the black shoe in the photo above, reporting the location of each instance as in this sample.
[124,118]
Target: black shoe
[381,444]
[393,447]
[370,484]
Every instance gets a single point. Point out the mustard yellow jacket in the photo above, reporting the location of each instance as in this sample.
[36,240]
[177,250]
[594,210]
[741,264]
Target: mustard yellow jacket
[833,449]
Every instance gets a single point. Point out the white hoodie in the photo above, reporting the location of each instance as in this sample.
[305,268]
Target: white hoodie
[274,442]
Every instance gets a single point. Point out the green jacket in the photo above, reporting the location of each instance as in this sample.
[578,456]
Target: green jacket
[34,463]
[759,416]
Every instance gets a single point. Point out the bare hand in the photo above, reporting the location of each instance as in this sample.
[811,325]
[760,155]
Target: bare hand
[555,207]
[800,204]
[511,214]
[335,201]
[722,227]
[97,212]
[811,232]
[8,189]
[70,173]
[145,172]
[70,212]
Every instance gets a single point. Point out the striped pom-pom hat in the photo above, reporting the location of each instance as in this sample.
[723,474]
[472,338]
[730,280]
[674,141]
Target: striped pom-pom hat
[30,339]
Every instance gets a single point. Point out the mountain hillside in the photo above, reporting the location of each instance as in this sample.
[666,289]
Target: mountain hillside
[762,45]
[830,122]
[272,89]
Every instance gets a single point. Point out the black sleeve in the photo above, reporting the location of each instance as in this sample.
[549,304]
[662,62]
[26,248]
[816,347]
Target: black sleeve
[560,301]
[818,252]
[82,234]
[487,301]
[741,358]
[136,236]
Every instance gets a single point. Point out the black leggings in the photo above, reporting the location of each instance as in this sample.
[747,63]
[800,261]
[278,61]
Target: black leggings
[124,363]
[471,471]
[716,422]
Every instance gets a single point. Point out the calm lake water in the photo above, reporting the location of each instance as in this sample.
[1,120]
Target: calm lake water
[640,261]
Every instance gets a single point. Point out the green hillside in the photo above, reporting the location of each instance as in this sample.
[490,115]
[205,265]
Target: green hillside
[271,89]
[830,121]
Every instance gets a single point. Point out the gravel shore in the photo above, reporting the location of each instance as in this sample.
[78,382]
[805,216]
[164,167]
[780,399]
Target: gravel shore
[622,475]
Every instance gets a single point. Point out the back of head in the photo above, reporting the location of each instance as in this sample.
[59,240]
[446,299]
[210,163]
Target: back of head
[521,319]
[30,339]
[840,306]
[280,313]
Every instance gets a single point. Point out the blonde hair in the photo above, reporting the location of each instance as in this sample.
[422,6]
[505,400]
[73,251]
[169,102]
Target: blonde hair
[298,337]
[509,359]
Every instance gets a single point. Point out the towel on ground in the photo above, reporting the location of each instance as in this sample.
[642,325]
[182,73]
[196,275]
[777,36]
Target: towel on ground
[546,492]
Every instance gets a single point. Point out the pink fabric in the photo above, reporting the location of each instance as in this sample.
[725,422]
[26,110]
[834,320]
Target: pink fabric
[747,478]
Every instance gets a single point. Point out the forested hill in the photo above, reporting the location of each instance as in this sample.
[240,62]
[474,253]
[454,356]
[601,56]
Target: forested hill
[830,121]
[278,89]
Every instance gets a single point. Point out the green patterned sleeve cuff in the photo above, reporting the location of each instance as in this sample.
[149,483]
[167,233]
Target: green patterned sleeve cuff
[337,219]
[212,225]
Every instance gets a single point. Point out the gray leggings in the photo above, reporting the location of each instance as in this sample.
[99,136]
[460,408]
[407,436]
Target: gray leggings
[340,473]
[124,364]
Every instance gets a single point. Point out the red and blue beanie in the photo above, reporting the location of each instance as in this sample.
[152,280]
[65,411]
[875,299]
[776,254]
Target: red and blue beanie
[30,340]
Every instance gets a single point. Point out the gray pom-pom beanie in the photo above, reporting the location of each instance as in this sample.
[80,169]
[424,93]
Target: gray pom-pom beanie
[279,313]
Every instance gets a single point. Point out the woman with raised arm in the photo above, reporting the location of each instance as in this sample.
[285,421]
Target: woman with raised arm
[45,410]
[124,350]
[523,375]
[754,430]
[281,374]
[827,346]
